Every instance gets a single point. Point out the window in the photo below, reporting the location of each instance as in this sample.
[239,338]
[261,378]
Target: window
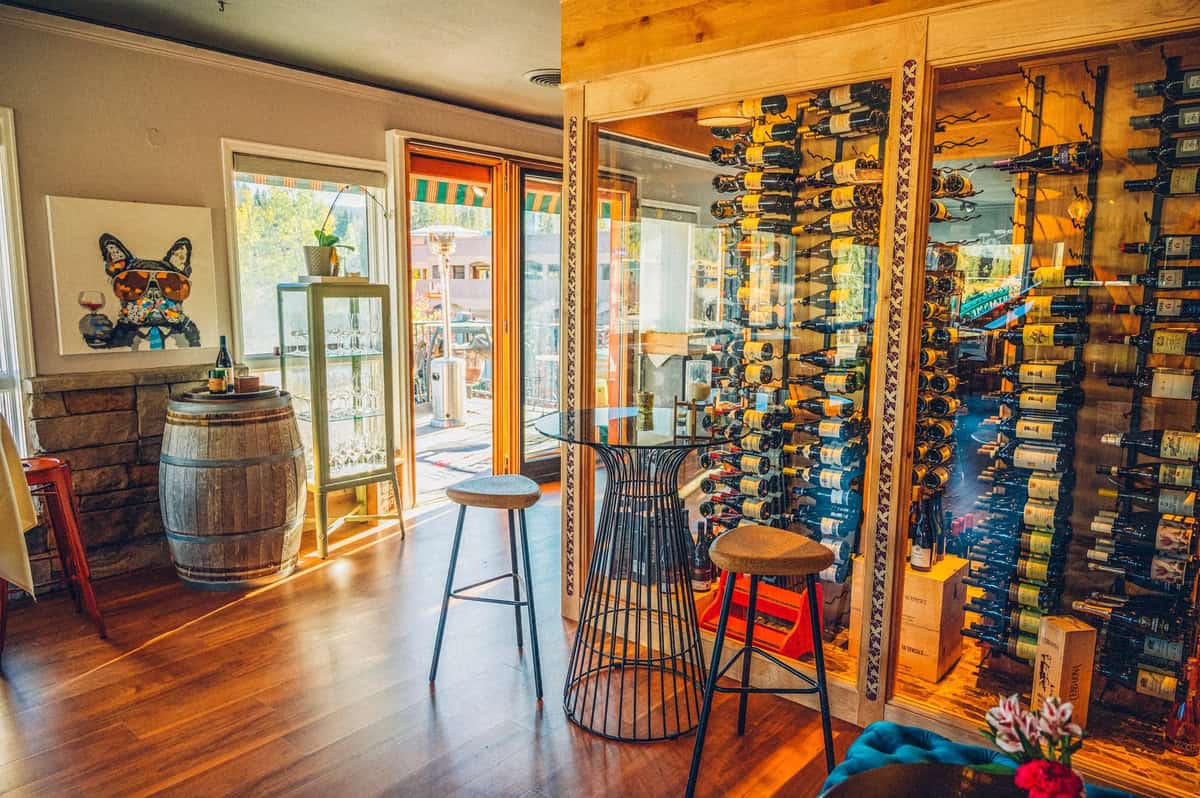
[277,206]
[14,357]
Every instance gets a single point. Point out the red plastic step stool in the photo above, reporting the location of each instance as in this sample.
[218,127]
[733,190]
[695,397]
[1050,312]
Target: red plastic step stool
[781,607]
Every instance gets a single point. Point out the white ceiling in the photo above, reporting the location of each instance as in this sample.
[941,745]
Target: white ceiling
[469,52]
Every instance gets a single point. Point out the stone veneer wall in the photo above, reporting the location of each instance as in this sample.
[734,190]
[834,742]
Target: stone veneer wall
[108,426]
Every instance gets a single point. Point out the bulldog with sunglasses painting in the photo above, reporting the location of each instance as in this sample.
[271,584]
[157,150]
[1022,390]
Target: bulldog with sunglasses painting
[151,293]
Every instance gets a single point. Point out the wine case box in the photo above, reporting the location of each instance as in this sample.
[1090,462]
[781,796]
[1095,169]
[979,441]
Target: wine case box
[932,619]
[1063,665]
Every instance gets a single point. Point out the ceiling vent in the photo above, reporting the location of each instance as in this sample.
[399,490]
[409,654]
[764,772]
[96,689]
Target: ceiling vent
[547,78]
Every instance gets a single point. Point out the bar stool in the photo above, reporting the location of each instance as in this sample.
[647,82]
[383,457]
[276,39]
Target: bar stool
[764,551]
[509,492]
[50,478]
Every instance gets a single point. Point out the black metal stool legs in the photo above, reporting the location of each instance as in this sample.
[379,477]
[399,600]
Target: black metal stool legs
[744,697]
[713,672]
[512,550]
[437,644]
[533,635]
[819,661]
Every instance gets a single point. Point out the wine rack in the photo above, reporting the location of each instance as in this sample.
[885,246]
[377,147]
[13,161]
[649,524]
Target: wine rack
[801,224]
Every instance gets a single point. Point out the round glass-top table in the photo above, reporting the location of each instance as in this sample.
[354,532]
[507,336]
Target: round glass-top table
[636,671]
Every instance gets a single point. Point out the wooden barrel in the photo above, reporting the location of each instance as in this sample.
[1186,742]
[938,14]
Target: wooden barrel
[231,486]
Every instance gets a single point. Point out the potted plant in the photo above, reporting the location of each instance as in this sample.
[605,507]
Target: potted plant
[1042,744]
[322,260]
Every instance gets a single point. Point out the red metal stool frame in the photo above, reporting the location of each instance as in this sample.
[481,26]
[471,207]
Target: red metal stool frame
[50,479]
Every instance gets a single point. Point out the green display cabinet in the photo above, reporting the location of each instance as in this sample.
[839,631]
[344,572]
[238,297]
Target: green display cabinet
[335,358]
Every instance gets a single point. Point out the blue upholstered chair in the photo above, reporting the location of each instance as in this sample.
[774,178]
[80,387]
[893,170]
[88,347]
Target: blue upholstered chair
[886,743]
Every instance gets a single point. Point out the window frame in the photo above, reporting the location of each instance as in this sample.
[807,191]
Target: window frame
[381,261]
[14,288]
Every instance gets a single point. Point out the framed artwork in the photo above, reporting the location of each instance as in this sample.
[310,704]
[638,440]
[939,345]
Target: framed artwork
[131,276]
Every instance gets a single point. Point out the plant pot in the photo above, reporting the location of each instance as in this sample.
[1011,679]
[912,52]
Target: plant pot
[319,261]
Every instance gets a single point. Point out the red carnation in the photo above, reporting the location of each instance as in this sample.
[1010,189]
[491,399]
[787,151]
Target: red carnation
[1045,779]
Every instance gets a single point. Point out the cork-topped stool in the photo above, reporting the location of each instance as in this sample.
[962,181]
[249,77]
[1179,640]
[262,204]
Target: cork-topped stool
[764,551]
[513,493]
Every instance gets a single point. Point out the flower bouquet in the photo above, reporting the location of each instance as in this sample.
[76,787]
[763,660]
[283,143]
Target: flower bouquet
[1041,742]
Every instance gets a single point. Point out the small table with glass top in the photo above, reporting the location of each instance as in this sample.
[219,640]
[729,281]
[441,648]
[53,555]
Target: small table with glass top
[637,669]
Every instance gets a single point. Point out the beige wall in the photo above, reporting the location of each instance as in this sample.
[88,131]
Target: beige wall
[98,118]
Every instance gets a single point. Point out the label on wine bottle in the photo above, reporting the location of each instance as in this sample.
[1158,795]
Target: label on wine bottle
[829,428]
[1167,570]
[1038,400]
[841,222]
[1156,684]
[1184,181]
[754,155]
[839,96]
[1178,445]
[831,454]
[839,123]
[1168,650]
[1189,117]
[831,527]
[830,479]
[839,383]
[1035,569]
[1044,486]
[1038,515]
[842,197]
[1038,307]
[1166,308]
[1037,373]
[1029,621]
[1172,384]
[751,204]
[1035,430]
[1050,276]
[1177,502]
[753,181]
[921,557]
[1172,474]
[845,171]
[756,508]
[1035,458]
[1040,543]
[1169,342]
[1025,648]
[752,462]
[1027,594]
[1177,246]
[1173,539]
[1169,278]
[1037,334]
[1186,147]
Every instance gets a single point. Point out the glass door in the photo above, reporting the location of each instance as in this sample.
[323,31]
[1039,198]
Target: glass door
[540,287]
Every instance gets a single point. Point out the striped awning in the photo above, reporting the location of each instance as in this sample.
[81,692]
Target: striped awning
[287,182]
[449,192]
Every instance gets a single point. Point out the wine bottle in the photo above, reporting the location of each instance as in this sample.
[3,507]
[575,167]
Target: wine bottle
[1171,247]
[1163,308]
[1062,276]
[852,221]
[827,300]
[1041,372]
[751,350]
[1041,400]
[921,555]
[1025,620]
[1065,334]
[852,170]
[1034,484]
[757,419]
[1181,733]
[761,180]
[1176,86]
[936,478]
[1170,444]
[833,249]
[1019,646]
[942,406]
[956,184]
[1166,501]
[1172,152]
[224,361]
[700,566]
[832,453]
[935,429]
[1172,119]
[1162,383]
[829,477]
[760,442]
[751,485]
[1039,308]
[1131,644]
[742,204]
[939,454]
[1053,429]
[1170,182]
[1153,572]
[826,524]
[773,131]
[861,122]
[1145,613]
[830,324]
[1165,341]
[942,282]
[825,407]
[832,497]
[1034,513]
[835,429]
[870,93]
[754,508]
[1145,679]
[1079,156]
[1034,457]
[1024,594]
[762,106]
[943,257]
[843,198]
[1027,541]
[753,374]
[831,382]
[833,358]
[1156,474]
[758,224]
[1029,569]
[1172,538]
[750,463]
[942,382]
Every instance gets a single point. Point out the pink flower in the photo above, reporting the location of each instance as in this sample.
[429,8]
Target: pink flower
[1029,725]
[1005,713]
[1055,721]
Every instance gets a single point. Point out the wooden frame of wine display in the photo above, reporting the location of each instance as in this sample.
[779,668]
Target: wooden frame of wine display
[951,294]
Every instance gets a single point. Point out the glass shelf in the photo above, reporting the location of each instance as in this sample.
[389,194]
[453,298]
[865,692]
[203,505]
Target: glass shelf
[346,356]
[335,417]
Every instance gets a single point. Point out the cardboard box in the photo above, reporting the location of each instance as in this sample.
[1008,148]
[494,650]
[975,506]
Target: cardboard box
[1063,666]
[931,619]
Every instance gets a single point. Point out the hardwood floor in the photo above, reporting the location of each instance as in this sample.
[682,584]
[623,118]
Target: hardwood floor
[318,686]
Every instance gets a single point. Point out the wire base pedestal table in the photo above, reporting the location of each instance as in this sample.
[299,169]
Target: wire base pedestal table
[637,670]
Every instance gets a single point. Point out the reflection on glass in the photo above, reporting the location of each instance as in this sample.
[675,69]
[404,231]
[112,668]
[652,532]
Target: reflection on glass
[541,231]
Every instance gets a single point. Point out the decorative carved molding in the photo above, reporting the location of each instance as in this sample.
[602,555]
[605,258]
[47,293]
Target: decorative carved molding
[571,331]
[895,332]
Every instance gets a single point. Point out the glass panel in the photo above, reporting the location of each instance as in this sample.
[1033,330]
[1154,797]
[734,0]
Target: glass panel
[354,386]
[1053,523]
[275,218]
[757,324]
[10,367]
[541,285]
[450,219]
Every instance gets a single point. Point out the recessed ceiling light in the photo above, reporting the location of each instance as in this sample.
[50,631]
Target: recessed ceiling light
[547,78]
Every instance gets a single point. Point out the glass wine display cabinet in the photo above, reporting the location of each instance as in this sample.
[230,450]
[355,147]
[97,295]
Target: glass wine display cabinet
[1052,426]
[335,360]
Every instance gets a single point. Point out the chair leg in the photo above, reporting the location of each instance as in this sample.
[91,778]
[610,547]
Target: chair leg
[62,541]
[751,611]
[706,707]
[437,643]
[819,661]
[322,524]
[399,509]
[533,636]
[512,553]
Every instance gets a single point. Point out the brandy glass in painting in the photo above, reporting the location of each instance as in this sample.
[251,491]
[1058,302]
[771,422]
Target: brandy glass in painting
[93,326]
